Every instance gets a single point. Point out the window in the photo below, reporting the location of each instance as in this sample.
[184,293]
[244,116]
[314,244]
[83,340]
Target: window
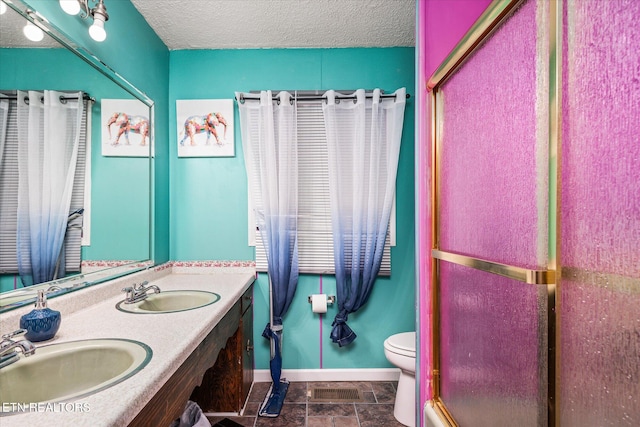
[315,238]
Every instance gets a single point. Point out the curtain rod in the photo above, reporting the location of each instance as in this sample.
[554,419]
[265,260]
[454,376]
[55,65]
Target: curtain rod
[63,98]
[312,96]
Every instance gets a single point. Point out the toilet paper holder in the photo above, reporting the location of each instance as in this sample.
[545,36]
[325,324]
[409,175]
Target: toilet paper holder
[330,299]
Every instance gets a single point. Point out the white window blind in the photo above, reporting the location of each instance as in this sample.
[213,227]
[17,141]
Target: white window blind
[315,237]
[9,195]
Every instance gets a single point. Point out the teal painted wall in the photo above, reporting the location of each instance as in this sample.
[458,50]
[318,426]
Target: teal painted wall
[8,282]
[209,195]
[134,50]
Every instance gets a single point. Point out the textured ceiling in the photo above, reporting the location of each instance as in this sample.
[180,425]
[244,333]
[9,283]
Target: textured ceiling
[242,24]
[11,25]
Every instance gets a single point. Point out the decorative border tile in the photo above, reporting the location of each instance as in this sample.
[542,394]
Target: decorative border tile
[174,266]
[89,266]
[213,263]
[111,263]
[209,267]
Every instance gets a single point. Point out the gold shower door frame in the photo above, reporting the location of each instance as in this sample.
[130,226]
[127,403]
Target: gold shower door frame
[490,21]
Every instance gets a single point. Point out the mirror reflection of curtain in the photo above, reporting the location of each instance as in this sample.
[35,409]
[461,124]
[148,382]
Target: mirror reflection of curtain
[49,135]
[363,140]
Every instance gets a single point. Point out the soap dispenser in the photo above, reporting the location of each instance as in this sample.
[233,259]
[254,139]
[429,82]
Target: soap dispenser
[41,323]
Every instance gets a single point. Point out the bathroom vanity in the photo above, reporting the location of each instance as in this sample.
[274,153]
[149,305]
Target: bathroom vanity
[203,354]
[217,375]
[226,385]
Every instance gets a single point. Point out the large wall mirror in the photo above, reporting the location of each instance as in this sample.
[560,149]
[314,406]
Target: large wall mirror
[116,209]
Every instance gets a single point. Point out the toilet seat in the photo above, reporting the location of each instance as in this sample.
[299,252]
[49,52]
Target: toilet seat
[403,344]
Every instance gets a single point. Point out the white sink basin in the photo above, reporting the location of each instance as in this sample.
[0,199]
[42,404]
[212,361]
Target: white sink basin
[170,301]
[70,370]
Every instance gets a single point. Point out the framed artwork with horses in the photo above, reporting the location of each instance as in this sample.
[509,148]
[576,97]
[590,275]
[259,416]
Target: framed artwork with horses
[125,128]
[205,128]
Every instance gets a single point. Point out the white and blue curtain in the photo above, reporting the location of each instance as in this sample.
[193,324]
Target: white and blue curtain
[49,138]
[363,137]
[270,146]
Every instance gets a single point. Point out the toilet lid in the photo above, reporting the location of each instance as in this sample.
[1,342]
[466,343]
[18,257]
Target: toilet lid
[403,343]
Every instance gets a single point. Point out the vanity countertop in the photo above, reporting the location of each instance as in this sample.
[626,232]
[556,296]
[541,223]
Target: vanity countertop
[171,336]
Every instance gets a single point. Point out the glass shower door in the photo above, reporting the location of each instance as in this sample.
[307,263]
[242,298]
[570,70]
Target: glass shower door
[493,264]
[537,217]
[599,296]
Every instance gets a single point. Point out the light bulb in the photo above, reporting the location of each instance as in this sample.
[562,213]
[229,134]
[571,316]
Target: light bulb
[3,8]
[72,7]
[32,32]
[96,31]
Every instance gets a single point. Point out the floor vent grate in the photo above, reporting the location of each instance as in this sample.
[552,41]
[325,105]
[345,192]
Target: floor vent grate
[335,395]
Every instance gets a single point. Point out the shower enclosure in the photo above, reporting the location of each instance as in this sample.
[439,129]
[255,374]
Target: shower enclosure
[536,217]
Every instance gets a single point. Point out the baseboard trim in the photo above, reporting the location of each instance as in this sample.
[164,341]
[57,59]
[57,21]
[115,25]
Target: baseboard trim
[378,374]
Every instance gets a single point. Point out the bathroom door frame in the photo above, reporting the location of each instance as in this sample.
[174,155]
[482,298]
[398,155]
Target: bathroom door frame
[497,13]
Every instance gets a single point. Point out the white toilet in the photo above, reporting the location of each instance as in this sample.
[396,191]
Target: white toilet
[400,350]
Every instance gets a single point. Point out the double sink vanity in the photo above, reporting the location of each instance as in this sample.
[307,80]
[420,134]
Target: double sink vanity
[117,364]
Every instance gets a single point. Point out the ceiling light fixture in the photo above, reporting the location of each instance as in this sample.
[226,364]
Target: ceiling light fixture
[98,13]
[3,8]
[31,31]
[72,7]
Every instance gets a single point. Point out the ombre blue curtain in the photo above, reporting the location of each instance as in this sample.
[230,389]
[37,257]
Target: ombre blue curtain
[363,141]
[49,139]
[270,146]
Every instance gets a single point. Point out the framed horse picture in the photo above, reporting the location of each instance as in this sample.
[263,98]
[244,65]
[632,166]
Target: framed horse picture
[205,128]
[125,128]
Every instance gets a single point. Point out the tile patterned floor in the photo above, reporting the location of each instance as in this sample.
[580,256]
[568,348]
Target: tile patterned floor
[375,411]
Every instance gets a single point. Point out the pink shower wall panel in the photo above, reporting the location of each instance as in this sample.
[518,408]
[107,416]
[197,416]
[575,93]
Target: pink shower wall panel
[446,23]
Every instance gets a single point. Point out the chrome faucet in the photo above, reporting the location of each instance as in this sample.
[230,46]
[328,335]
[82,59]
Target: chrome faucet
[53,288]
[138,293]
[8,348]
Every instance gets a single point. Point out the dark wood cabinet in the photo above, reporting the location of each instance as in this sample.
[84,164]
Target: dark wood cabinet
[217,375]
[225,386]
[247,351]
